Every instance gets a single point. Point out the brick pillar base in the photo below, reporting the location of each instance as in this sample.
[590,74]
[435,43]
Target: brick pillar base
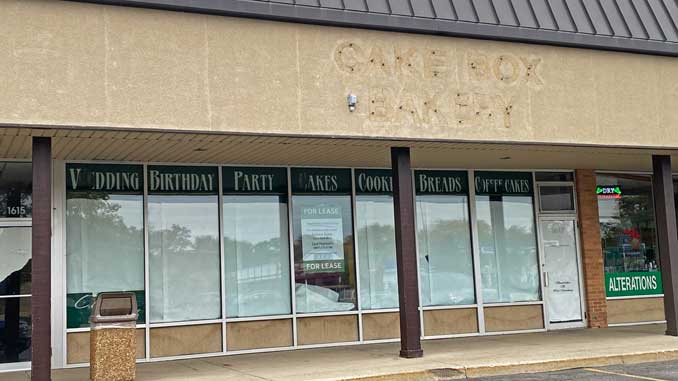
[592,251]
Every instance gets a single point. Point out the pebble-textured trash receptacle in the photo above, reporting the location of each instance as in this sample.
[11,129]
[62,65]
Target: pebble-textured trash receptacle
[113,343]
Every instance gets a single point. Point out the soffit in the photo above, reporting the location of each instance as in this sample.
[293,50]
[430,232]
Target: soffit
[175,147]
[643,26]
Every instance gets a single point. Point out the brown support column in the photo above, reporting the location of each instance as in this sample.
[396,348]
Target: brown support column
[406,254]
[591,248]
[667,236]
[41,351]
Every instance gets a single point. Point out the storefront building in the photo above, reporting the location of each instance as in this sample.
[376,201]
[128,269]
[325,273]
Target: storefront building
[271,176]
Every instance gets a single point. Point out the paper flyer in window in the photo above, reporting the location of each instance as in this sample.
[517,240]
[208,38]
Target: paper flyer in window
[322,240]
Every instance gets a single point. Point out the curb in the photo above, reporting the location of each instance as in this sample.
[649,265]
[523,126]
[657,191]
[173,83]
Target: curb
[523,367]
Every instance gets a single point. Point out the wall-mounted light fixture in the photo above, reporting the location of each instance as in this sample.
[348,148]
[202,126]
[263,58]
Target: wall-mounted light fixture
[352,100]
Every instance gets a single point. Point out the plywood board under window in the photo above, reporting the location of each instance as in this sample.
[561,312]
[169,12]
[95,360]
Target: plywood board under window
[78,346]
[259,334]
[637,310]
[514,318]
[327,329]
[379,326]
[450,322]
[185,340]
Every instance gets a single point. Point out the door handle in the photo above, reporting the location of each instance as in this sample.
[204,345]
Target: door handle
[546,279]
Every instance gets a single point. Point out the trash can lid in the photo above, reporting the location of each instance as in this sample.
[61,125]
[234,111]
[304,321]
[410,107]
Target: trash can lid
[114,307]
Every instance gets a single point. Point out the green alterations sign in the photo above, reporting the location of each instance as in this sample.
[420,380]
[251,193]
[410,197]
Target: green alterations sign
[633,284]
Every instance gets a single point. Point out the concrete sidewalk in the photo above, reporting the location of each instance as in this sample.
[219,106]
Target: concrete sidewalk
[443,359]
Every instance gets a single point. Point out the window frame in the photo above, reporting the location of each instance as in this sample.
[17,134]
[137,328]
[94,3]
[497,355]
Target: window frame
[60,184]
[649,175]
[18,222]
[538,198]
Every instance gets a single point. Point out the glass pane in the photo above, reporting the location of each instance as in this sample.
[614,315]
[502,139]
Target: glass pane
[554,176]
[16,182]
[508,252]
[323,254]
[444,247]
[105,250]
[562,266]
[184,258]
[627,224]
[556,198]
[15,261]
[15,330]
[256,251]
[376,249]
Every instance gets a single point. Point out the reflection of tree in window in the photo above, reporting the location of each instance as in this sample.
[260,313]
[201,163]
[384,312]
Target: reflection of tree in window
[184,261]
[103,248]
[444,247]
[508,254]
[15,189]
[376,248]
[256,254]
[104,243]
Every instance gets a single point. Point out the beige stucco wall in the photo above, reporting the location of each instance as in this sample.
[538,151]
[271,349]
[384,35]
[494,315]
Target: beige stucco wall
[64,63]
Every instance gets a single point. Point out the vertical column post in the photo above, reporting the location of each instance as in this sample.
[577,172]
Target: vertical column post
[667,236]
[406,253]
[591,248]
[41,240]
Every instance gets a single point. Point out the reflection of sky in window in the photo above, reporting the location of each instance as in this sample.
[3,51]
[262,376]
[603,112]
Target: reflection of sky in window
[192,212]
[15,249]
[253,218]
[131,209]
[375,210]
[518,212]
[442,208]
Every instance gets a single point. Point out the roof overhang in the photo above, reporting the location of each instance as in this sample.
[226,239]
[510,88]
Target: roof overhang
[134,145]
[625,31]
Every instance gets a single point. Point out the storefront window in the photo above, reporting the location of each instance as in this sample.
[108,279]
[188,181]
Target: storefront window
[444,238]
[15,279]
[104,235]
[629,235]
[15,262]
[15,330]
[323,240]
[376,239]
[16,182]
[509,263]
[256,243]
[183,224]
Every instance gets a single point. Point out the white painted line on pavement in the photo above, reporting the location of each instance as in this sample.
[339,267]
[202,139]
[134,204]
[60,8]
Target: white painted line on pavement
[624,374]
